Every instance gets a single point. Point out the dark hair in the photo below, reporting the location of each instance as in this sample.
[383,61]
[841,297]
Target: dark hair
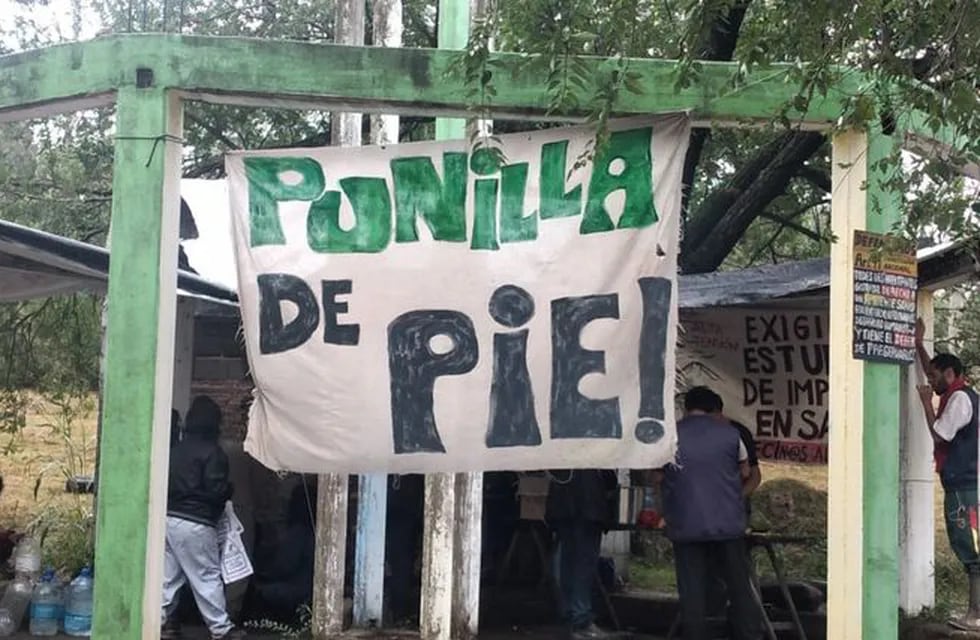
[203,418]
[944,361]
[703,399]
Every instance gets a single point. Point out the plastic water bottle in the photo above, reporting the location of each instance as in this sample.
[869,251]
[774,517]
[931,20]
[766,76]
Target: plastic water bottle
[7,627]
[16,600]
[27,558]
[78,605]
[46,606]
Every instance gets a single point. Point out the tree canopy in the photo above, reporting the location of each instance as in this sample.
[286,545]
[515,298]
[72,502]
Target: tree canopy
[753,195]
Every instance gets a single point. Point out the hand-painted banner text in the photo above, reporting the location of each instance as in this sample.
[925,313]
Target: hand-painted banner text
[430,307]
[770,367]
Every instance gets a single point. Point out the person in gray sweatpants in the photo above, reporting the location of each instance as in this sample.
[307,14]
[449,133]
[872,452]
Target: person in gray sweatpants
[197,492]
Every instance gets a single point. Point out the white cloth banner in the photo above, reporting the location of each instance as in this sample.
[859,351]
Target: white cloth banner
[770,367]
[235,564]
[430,307]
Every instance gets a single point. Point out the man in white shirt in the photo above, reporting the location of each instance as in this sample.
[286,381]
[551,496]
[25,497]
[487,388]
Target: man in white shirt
[954,428]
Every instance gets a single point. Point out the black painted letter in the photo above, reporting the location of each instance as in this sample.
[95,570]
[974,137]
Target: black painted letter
[334,333]
[274,288]
[414,366]
[512,419]
[653,346]
[572,414]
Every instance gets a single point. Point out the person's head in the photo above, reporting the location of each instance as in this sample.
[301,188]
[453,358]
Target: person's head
[174,427]
[703,400]
[944,370]
[203,418]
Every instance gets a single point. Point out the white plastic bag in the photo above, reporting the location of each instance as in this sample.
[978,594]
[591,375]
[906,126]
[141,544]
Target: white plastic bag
[235,564]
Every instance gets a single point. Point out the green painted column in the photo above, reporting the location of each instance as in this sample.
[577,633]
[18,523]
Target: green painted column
[138,365]
[865,404]
[882,424]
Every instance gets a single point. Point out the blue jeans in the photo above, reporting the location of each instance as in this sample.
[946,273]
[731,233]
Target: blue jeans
[578,559]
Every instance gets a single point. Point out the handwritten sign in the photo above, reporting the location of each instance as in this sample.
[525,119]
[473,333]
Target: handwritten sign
[429,307]
[885,285]
[770,367]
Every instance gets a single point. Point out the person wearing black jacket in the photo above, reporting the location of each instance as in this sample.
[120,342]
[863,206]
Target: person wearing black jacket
[197,492]
[581,506]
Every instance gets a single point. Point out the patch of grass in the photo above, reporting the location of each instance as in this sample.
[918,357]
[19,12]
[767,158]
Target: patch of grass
[793,500]
[652,576]
[55,441]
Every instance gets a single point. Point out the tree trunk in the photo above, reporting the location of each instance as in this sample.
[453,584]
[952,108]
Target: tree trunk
[723,218]
[719,44]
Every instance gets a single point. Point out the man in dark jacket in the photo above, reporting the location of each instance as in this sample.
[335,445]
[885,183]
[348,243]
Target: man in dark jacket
[705,515]
[580,507]
[196,497]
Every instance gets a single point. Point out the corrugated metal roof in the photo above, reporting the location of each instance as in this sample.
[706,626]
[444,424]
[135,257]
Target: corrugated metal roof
[35,264]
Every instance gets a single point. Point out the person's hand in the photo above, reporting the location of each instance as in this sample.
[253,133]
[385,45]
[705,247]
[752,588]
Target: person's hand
[920,331]
[926,393]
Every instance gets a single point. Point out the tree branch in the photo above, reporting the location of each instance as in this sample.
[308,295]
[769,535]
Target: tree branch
[217,133]
[723,218]
[789,223]
[817,177]
[718,45]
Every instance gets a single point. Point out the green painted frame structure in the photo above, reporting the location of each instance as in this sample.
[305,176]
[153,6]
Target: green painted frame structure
[148,77]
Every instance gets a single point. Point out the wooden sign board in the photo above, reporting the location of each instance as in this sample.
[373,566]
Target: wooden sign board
[885,285]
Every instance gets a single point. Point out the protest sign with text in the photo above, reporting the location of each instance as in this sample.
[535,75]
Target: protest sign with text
[433,307]
[770,367]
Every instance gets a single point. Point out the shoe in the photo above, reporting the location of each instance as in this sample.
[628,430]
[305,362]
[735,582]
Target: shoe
[968,622]
[170,630]
[237,633]
[592,632]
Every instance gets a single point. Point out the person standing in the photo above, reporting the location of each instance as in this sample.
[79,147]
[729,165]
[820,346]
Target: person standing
[197,491]
[717,594]
[705,517]
[954,429]
[580,508]
[754,479]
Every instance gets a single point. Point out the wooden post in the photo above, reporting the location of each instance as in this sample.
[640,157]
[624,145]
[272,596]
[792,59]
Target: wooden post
[183,355]
[865,406]
[369,550]
[437,557]
[331,526]
[138,364]
[331,553]
[438,553]
[917,533]
[372,493]
[467,550]
[387,30]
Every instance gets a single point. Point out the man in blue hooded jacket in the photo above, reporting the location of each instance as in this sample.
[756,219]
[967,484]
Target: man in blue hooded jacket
[704,511]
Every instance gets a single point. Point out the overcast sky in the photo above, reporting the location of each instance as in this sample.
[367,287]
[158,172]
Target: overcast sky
[53,17]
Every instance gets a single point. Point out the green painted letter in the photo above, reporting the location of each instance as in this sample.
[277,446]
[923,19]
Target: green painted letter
[418,191]
[555,202]
[514,225]
[485,215]
[371,232]
[266,189]
[632,150]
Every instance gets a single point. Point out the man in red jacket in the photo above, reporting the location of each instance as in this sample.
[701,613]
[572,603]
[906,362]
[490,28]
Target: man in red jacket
[954,429]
